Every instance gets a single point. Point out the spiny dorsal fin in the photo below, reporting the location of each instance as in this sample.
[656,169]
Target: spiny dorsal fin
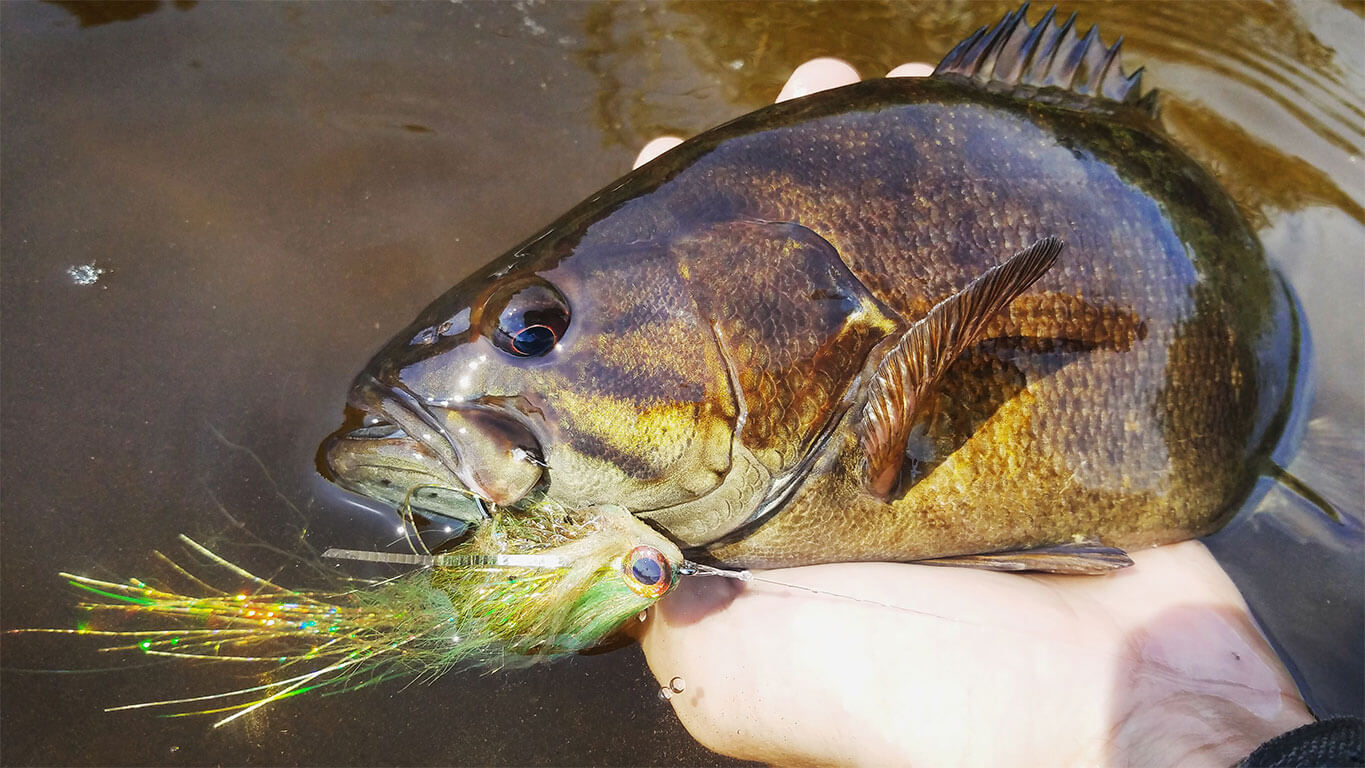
[1046,61]
[924,352]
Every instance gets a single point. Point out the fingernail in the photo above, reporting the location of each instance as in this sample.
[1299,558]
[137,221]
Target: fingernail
[655,148]
[913,69]
[818,75]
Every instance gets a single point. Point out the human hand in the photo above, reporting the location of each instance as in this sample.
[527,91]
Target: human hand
[901,664]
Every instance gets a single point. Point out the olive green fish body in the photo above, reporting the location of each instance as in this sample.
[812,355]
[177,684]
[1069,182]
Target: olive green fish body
[1123,397]
[697,341]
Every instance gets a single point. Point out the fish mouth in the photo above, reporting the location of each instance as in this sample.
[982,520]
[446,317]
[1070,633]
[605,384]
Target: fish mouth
[394,447]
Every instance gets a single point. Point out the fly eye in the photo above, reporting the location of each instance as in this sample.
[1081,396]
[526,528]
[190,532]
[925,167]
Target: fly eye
[527,320]
[648,573]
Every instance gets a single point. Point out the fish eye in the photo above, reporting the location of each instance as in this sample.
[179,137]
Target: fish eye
[527,319]
[647,572]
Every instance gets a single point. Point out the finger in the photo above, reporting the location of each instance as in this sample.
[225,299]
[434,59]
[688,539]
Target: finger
[743,695]
[913,69]
[655,148]
[818,75]
[815,75]
[782,676]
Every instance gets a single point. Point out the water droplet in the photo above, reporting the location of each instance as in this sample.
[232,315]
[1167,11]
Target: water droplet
[85,274]
[674,687]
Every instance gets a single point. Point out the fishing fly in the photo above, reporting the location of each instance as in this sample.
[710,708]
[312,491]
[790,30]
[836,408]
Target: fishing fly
[521,589]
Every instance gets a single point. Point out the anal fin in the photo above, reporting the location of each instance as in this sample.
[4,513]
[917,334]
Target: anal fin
[924,352]
[1080,558]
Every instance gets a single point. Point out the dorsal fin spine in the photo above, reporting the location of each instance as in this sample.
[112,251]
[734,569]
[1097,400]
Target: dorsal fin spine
[1095,57]
[1029,62]
[1107,68]
[1077,60]
[990,55]
[1116,83]
[1148,103]
[1013,50]
[1066,37]
[963,51]
[1027,59]
[979,41]
[1043,63]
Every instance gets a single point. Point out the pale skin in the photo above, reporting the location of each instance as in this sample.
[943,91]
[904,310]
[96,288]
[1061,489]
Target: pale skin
[899,664]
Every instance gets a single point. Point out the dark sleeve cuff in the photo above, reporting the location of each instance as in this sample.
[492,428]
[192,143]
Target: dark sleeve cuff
[1339,741]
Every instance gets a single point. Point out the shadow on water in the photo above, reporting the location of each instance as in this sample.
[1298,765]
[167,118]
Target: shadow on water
[264,193]
[94,14]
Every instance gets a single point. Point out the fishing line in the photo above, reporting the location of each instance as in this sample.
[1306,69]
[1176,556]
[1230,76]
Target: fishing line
[864,600]
[1145,667]
[413,534]
[690,568]
[1140,665]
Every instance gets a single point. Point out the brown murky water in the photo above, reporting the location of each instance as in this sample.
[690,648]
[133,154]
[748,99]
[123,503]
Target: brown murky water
[262,194]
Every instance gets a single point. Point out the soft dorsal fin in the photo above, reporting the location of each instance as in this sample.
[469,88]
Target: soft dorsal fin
[924,352]
[1047,61]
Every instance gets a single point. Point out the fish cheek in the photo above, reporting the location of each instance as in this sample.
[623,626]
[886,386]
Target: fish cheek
[591,467]
[644,414]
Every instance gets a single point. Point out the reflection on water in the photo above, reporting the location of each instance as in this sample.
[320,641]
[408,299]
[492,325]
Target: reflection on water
[274,189]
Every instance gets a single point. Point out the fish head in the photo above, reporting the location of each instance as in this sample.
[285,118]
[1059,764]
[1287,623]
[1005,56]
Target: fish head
[581,381]
[642,373]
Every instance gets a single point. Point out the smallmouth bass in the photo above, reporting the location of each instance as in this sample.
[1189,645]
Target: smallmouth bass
[802,336]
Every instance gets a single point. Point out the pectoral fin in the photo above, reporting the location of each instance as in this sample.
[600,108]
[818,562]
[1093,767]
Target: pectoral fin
[1082,558]
[925,351]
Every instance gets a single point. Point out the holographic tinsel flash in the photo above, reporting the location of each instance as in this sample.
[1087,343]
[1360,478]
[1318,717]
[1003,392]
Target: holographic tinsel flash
[522,589]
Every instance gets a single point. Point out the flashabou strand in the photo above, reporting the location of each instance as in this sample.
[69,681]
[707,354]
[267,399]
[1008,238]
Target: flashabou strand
[520,589]
[281,615]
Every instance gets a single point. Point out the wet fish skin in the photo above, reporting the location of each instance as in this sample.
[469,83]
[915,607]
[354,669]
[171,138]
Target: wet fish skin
[730,300]
[1124,397]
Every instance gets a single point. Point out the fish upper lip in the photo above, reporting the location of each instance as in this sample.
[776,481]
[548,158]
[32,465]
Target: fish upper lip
[408,416]
[381,430]
[405,411]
